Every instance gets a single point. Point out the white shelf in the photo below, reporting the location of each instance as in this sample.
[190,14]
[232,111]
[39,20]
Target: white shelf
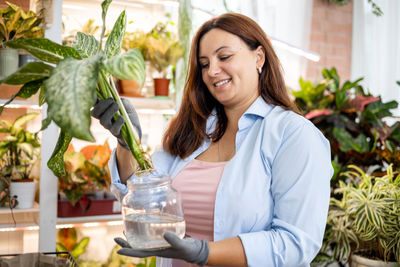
[154,105]
[89,219]
[20,104]
[6,210]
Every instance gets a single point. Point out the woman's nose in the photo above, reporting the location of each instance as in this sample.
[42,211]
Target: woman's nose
[214,69]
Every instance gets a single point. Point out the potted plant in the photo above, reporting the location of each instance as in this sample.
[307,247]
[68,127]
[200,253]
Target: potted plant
[353,120]
[18,152]
[162,50]
[16,23]
[86,171]
[76,77]
[365,222]
[84,185]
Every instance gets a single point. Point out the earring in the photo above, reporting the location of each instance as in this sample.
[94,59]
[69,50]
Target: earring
[259,70]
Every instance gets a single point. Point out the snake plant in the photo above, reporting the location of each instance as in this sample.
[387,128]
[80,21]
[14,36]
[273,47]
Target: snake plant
[82,73]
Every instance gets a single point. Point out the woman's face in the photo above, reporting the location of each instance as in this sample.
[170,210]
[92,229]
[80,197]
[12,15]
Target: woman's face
[229,67]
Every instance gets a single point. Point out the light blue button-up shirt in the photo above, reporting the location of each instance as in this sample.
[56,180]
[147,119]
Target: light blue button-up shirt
[274,193]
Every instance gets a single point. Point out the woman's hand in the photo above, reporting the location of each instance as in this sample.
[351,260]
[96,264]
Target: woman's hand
[189,249]
[105,110]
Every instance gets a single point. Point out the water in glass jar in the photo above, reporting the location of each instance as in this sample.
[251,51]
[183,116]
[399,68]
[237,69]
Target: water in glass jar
[145,231]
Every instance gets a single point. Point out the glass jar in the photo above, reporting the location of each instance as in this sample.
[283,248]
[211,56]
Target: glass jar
[151,208]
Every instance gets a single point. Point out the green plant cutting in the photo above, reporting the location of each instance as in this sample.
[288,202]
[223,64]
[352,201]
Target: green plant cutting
[82,73]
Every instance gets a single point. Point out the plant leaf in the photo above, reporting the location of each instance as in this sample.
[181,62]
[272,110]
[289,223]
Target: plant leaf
[86,45]
[21,121]
[45,123]
[70,93]
[114,40]
[128,66]
[56,161]
[80,247]
[30,72]
[44,49]
[26,91]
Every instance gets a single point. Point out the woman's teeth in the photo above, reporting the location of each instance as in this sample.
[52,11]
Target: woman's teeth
[222,82]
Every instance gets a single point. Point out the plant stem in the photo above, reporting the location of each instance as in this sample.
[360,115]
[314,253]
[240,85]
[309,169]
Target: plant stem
[130,135]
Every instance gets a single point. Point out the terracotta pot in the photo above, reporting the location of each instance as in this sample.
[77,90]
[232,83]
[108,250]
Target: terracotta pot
[360,261]
[131,88]
[161,86]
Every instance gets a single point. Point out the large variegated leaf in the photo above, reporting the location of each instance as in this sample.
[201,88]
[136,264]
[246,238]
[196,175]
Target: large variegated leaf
[44,49]
[30,72]
[56,161]
[114,40]
[86,45]
[128,66]
[70,93]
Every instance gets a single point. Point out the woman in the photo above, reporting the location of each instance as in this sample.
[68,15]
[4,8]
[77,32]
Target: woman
[253,174]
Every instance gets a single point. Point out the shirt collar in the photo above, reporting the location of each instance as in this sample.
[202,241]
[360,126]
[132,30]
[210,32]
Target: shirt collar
[259,108]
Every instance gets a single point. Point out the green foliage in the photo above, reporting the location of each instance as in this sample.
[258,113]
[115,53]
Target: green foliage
[366,218]
[19,150]
[116,260]
[82,74]
[86,171]
[16,23]
[352,120]
[375,8]
[160,46]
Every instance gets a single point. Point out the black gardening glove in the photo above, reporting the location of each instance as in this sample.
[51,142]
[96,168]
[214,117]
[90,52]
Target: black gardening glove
[188,249]
[104,110]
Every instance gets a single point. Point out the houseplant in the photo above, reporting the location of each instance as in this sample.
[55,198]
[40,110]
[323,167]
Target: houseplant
[162,50]
[366,220]
[86,171]
[353,121]
[135,39]
[82,74]
[18,152]
[16,23]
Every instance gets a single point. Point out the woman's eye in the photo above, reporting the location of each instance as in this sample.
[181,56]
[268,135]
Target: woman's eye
[204,66]
[223,58]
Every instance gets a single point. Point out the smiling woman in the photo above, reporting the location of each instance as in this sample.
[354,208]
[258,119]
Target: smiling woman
[229,68]
[253,174]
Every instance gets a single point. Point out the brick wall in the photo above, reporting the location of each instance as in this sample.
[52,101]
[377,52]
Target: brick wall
[331,35]
[25,4]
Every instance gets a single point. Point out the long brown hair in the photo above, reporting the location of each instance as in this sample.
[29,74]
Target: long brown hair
[187,130]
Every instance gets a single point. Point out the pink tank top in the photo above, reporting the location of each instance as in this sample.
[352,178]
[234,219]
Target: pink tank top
[197,184]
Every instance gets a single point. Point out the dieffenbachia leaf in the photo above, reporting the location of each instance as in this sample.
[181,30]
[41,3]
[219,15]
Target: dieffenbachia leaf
[56,161]
[70,93]
[128,66]
[86,45]
[45,123]
[26,91]
[114,40]
[44,49]
[30,72]
[104,6]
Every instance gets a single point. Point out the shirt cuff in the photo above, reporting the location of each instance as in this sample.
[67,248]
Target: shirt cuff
[117,188]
